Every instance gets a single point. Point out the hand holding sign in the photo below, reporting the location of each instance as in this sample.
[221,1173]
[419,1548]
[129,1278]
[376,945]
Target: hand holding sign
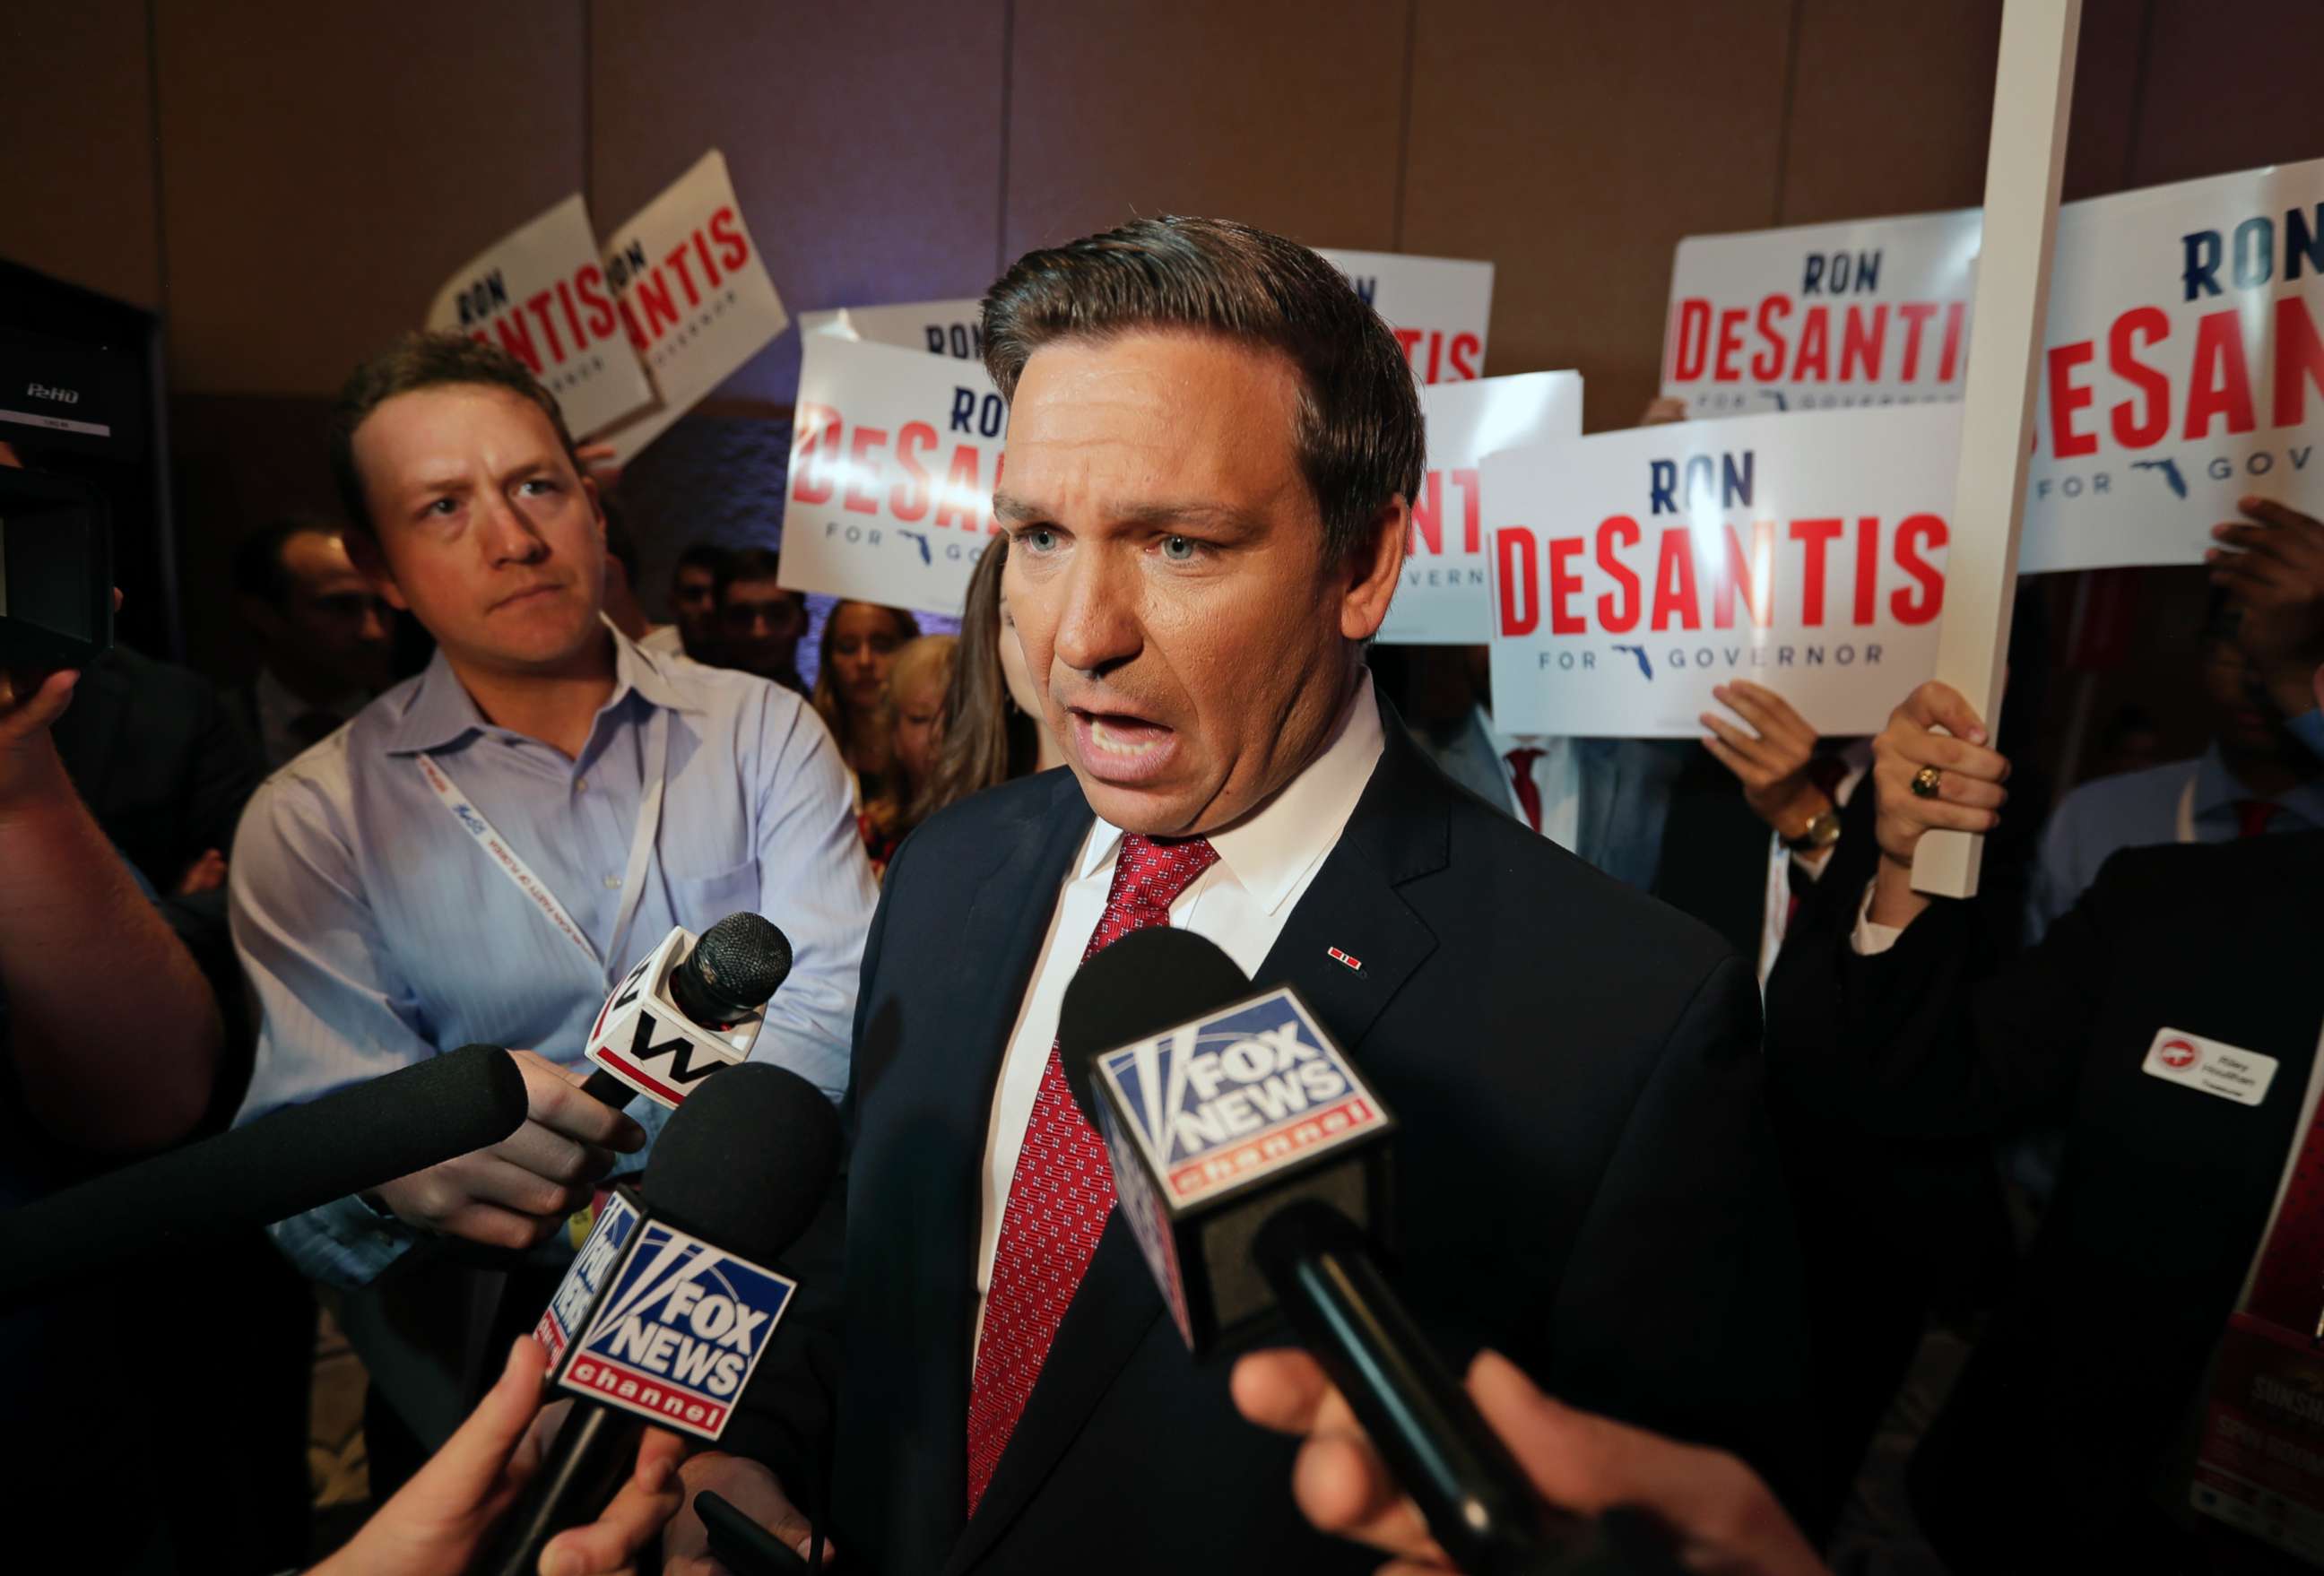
[2272,565]
[1925,781]
[1771,762]
[518,1192]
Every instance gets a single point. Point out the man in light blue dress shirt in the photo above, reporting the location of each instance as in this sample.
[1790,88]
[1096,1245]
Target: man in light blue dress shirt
[2259,775]
[373,925]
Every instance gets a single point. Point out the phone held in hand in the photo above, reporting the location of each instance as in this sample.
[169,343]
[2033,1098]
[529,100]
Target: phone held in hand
[56,572]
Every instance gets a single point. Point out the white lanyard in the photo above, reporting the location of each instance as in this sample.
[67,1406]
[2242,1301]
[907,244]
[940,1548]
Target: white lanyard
[507,861]
[2187,809]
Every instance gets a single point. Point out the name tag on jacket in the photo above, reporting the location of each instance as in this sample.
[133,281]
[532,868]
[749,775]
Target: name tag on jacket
[2227,1071]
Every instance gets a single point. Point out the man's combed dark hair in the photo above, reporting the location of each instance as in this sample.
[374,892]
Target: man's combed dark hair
[424,361]
[1359,433]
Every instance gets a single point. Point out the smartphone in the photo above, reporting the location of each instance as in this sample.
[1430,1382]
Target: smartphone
[56,572]
[741,1544]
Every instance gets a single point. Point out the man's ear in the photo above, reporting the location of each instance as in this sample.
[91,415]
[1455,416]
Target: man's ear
[1373,568]
[597,504]
[363,550]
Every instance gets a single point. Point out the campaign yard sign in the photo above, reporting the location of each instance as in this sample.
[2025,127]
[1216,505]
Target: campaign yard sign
[954,328]
[692,287]
[895,455]
[1632,571]
[1822,317]
[2182,362]
[2184,366]
[540,293]
[1445,596]
[1438,308]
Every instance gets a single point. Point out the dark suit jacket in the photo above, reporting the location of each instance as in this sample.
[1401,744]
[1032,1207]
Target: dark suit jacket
[2052,1450]
[1588,1183]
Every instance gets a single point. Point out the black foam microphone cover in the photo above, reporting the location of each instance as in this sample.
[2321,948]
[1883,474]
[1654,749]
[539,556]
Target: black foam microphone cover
[285,1163]
[744,1162]
[1149,980]
[735,966]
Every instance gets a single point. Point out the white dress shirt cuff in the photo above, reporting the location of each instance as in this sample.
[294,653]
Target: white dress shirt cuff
[1868,939]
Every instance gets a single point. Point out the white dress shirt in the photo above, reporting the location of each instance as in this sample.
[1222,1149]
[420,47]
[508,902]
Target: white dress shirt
[1557,777]
[1241,902]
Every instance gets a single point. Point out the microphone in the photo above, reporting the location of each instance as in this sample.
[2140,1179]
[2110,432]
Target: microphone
[695,1002]
[284,1163]
[668,1306]
[1251,1162]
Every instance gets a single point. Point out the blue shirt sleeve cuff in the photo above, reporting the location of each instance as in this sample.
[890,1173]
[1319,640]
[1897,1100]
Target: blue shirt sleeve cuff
[343,1244]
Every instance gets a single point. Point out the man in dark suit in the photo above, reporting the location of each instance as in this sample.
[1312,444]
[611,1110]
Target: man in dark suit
[1212,442]
[2069,1440]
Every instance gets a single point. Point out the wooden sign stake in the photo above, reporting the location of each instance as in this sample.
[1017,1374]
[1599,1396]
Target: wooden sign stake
[2033,92]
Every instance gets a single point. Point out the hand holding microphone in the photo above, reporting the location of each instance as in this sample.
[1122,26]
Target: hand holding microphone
[518,1192]
[438,1522]
[1253,1165]
[1725,1518]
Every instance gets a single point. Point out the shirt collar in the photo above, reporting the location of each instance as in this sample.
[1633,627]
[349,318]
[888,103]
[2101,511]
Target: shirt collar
[1270,853]
[442,712]
[2216,791]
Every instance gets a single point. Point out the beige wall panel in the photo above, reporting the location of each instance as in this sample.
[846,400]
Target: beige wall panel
[1573,144]
[327,166]
[2230,87]
[863,141]
[76,176]
[1285,115]
[1890,108]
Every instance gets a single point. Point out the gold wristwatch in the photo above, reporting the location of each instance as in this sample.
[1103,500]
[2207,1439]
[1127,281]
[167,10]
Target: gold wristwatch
[1821,831]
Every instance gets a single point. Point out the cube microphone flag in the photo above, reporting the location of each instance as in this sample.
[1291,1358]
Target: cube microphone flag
[1252,1161]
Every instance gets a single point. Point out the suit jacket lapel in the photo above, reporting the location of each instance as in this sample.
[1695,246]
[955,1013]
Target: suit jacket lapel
[1397,833]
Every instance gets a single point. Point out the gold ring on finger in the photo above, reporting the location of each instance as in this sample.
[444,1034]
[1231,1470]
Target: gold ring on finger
[1925,781]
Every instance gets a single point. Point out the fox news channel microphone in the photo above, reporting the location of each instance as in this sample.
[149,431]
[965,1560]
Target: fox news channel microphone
[691,1009]
[669,1304]
[284,1163]
[1252,1163]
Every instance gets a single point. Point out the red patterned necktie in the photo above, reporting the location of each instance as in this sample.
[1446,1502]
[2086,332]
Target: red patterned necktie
[1063,1189]
[1521,778]
[2252,815]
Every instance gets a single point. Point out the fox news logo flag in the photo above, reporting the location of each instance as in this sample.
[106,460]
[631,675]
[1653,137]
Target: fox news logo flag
[586,1280]
[679,1332]
[1239,1095]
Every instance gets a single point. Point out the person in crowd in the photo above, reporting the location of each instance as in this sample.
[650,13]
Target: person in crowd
[860,642]
[111,1045]
[694,599]
[1213,444]
[758,618]
[623,610]
[489,846]
[326,638]
[437,1524]
[2253,778]
[1720,1514]
[1795,784]
[1604,799]
[991,729]
[2071,1437]
[918,682]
